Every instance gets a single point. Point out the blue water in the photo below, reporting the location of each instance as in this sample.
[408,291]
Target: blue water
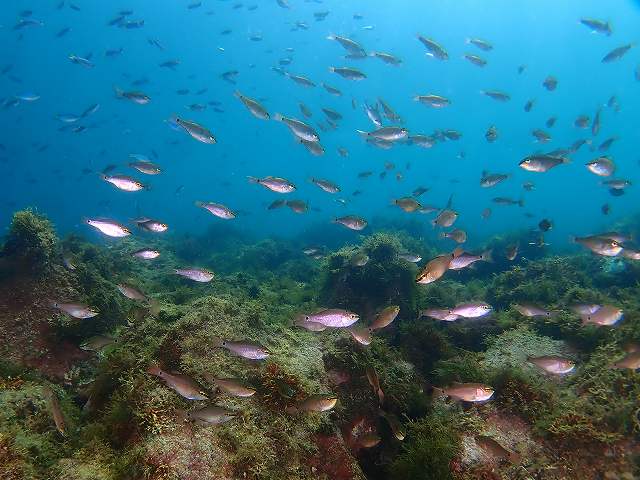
[545,36]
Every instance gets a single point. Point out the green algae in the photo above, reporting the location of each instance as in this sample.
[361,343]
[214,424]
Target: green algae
[134,426]
[31,243]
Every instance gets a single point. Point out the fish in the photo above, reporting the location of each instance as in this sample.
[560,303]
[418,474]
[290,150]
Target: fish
[529,310]
[183,385]
[387,58]
[394,424]
[217,210]
[146,254]
[445,218]
[145,166]
[545,225]
[410,257]
[408,204]
[374,381]
[151,225]
[196,131]
[305,110]
[132,293]
[435,269]
[315,403]
[481,44]
[351,46]
[325,185]
[529,105]
[276,204]
[124,182]
[471,310]
[385,317]
[348,73]
[351,222]
[212,415]
[600,245]
[550,83]
[617,53]
[298,206]
[53,405]
[542,163]
[601,166]
[97,343]
[248,350]
[443,314]
[232,386]
[254,107]
[359,259]
[496,95]
[475,60]
[506,201]
[606,315]
[84,62]
[597,26]
[110,228]
[491,135]
[467,392]
[631,361]
[298,128]
[489,180]
[135,97]
[457,235]
[553,364]
[434,49]
[196,274]
[332,90]
[332,317]
[310,326]
[275,184]
[464,259]
[360,334]
[431,100]
[495,450]
[373,114]
[75,310]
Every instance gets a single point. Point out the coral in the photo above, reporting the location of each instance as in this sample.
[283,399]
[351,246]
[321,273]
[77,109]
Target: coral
[31,243]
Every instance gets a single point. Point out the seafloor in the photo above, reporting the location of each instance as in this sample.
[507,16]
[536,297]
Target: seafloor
[120,422]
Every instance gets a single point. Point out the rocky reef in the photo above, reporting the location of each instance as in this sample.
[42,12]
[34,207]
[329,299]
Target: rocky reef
[77,401]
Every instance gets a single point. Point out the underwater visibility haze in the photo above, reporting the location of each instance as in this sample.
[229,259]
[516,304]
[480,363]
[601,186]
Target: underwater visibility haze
[319,239]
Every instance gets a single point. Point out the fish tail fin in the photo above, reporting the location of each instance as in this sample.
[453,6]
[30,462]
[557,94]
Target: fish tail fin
[216,342]
[119,93]
[438,392]
[487,255]
[331,36]
[521,202]
[198,203]
[457,252]
[253,179]
[237,94]
[442,235]
[332,69]
[362,133]
[277,117]
[154,370]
